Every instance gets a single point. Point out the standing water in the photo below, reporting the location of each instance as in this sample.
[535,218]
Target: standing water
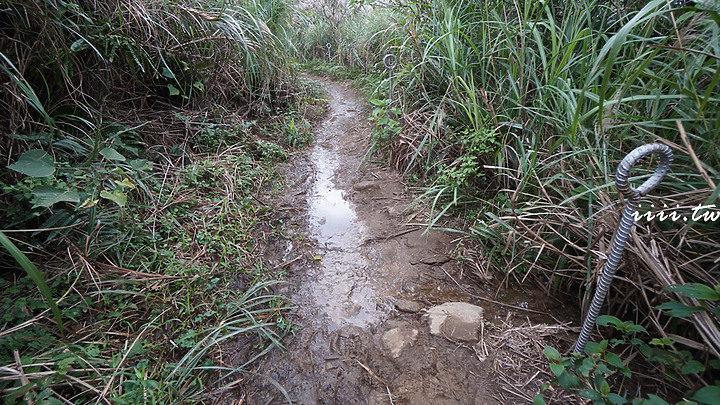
[341,289]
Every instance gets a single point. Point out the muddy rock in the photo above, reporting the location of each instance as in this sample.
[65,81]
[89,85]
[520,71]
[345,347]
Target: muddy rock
[436,260]
[364,185]
[408,306]
[455,320]
[396,339]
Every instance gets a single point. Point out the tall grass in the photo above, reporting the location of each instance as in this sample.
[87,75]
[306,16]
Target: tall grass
[523,110]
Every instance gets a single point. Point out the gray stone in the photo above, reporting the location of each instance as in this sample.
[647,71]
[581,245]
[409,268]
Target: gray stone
[456,320]
[397,338]
[408,306]
[364,185]
[435,260]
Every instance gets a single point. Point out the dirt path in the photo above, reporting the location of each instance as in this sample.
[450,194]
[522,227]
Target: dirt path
[353,346]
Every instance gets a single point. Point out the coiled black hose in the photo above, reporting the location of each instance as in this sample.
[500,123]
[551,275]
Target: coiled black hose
[633,196]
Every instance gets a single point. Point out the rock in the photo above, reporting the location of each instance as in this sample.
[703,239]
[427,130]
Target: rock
[397,338]
[396,211]
[436,260]
[408,306]
[364,185]
[455,320]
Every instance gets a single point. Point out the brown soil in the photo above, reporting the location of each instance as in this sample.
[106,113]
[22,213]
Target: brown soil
[362,254]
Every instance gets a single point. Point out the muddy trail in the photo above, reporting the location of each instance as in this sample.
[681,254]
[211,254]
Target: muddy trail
[367,284]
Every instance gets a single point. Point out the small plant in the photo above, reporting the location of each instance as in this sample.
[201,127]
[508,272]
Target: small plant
[386,126]
[593,373]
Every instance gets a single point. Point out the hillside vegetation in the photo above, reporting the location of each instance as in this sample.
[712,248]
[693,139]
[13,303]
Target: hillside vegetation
[140,140]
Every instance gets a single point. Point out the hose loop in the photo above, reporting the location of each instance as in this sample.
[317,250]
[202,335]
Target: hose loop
[626,223]
[623,170]
[390,61]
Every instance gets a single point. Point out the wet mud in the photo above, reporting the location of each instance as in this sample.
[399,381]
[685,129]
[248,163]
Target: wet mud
[364,257]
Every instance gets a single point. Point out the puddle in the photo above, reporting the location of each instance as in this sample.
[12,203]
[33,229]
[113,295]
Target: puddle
[341,290]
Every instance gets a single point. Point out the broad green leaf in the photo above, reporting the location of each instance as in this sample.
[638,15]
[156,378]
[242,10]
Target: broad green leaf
[695,290]
[586,366]
[112,154]
[568,381]
[615,398]
[117,196]
[173,90]
[46,196]
[35,275]
[141,164]
[34,163]
[631,327]
[593,348]
[125,183]
[605,320]
[79,45]
[678,310]
[604,387]
[168,73]
[707,395]
[557,369]
[539,400]
[614,360]
[89,203]
[693,367]
[591,394]
[551,353]
[651,400]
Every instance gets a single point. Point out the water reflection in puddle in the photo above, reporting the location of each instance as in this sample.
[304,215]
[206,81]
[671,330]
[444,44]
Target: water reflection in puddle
[341,288]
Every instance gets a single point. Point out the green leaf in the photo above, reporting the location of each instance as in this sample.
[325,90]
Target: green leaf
[125,183]
[693,367]
[603,369]
[551,353]
[79,45]
[614,360]
[586,366]
[557,369]
[593,348]
[35,275]
[604,387]
[707,395]
[173,90]
[141,164]
[631,327]
[168,73]
[46,196]
[615,398]
[695,290]
[317,257]
[112,154]
[568,381]
[678,310]
[34,163]
[539,400]
[117,196]
[605,320]
[591,394]
[652,400]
